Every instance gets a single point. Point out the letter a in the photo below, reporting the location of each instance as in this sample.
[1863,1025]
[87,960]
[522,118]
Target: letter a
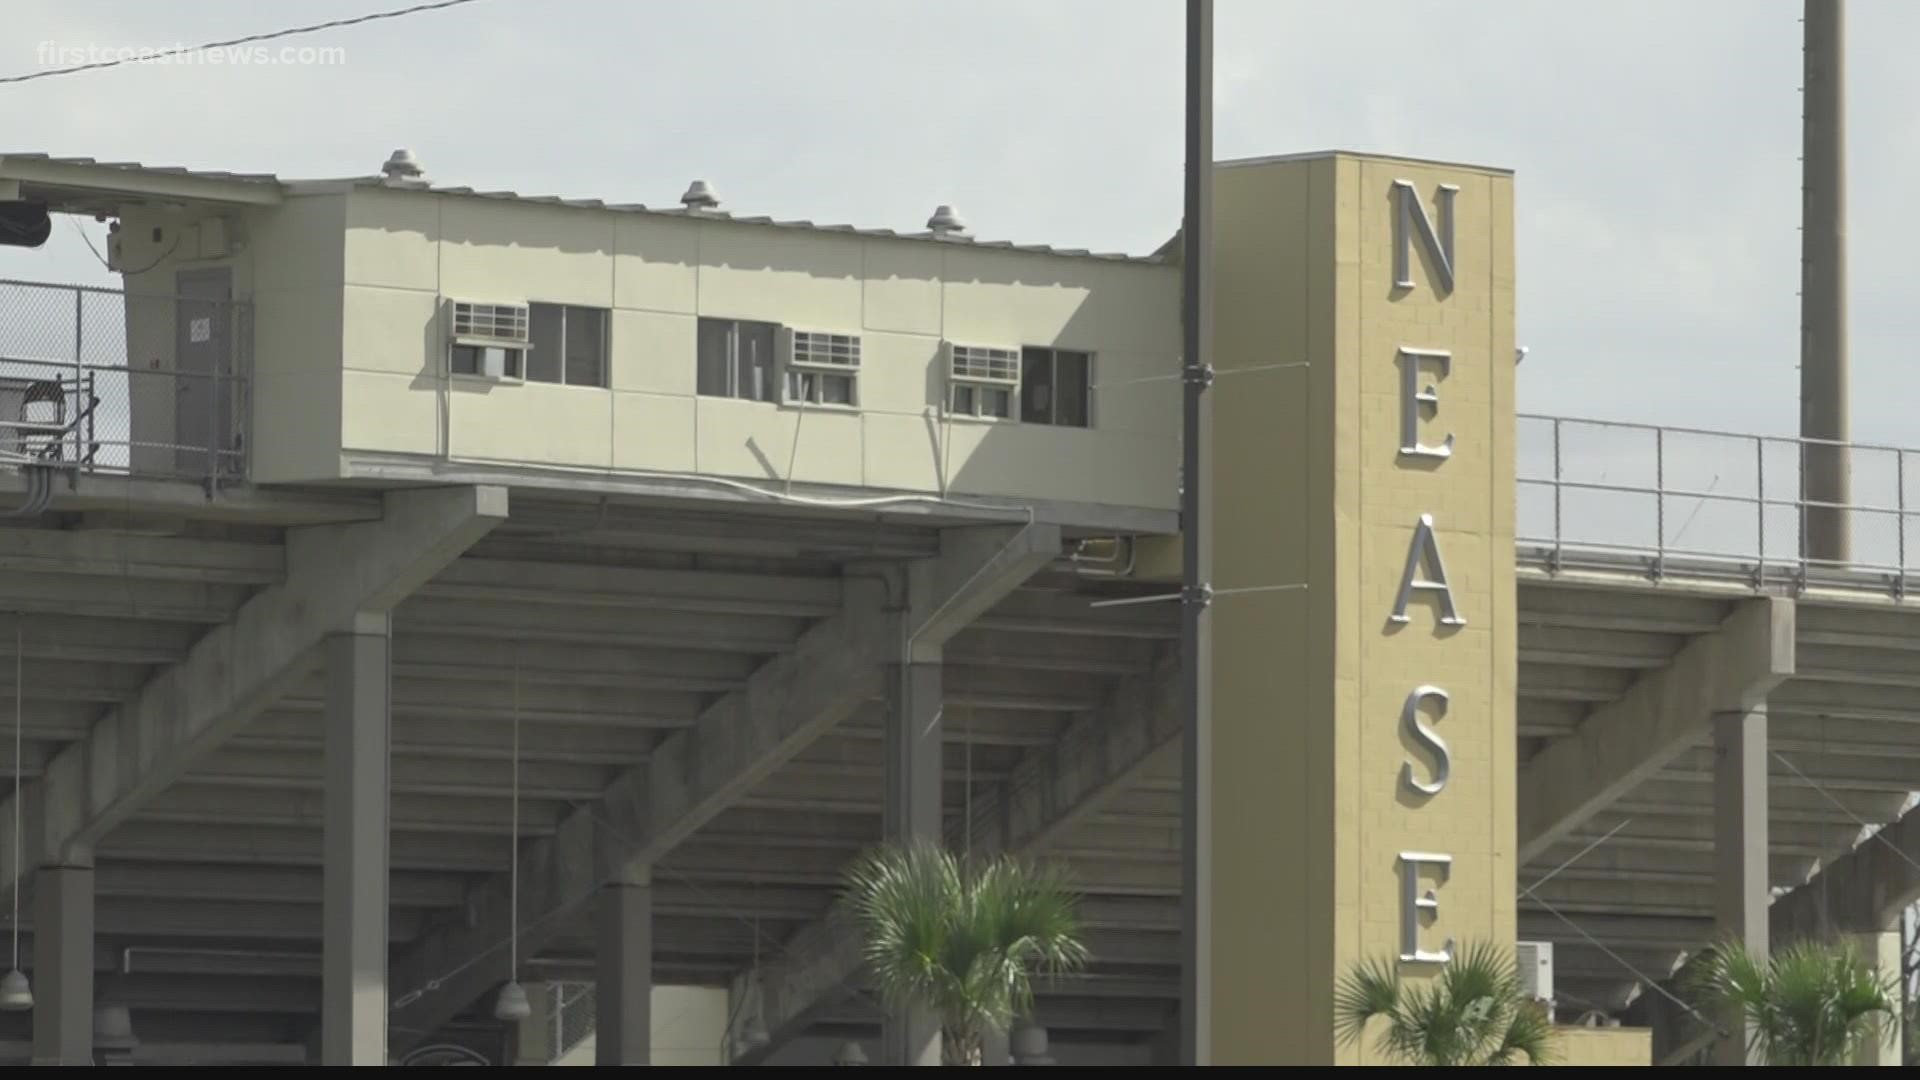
[1424,555]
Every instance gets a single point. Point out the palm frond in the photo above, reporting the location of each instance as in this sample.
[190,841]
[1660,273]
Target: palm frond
[963,938]
[1810,1003]
[1471,1011]
[1529,1034]
[1366,993]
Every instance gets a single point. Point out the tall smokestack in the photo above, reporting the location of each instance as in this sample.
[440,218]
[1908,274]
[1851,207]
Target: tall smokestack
[1824,410]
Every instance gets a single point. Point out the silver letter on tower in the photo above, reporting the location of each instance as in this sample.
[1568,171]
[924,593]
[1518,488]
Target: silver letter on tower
[1424,554]
[1412,397]
[1412,217]
[1427,737]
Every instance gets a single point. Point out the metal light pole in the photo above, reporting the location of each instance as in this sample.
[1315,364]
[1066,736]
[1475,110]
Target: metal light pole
[1196,657]
[1824,403]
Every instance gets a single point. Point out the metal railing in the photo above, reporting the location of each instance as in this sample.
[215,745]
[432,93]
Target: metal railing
[1604,493]
[572,1017]
[102,381]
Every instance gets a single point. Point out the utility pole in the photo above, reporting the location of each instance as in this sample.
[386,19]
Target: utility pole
[1196,519]
[1824,405]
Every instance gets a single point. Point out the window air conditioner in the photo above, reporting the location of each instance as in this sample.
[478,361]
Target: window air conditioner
[492,331]
[983,363]
[1534,960]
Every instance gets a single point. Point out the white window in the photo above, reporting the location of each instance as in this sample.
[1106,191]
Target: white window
[822,368]
[488,340]
[982,380]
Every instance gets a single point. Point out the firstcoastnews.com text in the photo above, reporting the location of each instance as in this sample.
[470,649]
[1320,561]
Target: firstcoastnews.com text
[51,54]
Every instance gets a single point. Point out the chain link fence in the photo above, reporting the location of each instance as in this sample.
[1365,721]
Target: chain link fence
[129,384]
[574,1015]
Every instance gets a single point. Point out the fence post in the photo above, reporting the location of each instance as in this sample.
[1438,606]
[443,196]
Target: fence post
[213,406]
[1556,495]
[1659,501]
[79,359]
[1760,483]
[1802,502]
[1900,513]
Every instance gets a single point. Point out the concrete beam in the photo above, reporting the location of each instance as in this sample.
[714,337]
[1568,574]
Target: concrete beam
[976,570]
[148,919]
[834,668]
[190,803]
[1098,755]
[1860,892]
[80,639]
[482,778]
[109,597]
[1051,789]
[756,635]
[159,558]
[140,841]
[240,667]
[698,591]
[1663,714]
[257,884]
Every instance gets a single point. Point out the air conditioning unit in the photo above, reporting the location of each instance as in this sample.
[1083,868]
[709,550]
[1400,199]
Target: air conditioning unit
[1534,959]
[819,349]
[489,339]
[983,363]
[822,367]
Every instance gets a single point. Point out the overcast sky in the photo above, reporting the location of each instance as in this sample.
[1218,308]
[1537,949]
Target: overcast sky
[1655,143]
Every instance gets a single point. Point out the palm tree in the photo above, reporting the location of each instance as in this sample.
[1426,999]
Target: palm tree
[1470,1012]
[1809,1003]
[962,938]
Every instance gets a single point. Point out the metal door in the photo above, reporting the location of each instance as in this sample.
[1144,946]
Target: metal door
[203,366]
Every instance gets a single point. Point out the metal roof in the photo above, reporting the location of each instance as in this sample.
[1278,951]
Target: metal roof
[758,219]
[138,167]
[134,169]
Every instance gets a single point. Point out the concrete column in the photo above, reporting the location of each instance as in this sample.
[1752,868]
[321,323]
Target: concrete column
[1165,1048]
[353,985]
[623,991]
[533,1043]
[913,813]
[996,1048]
[1740,847]
[1030,1045]
[63,966]
[1882,950]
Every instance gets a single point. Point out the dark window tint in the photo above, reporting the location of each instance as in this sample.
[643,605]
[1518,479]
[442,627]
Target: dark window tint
[1036,386]
[586,346]
[548,331]
[1070,387]
[736,359]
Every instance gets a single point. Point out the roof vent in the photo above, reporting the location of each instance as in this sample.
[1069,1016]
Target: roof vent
[402,168]
[700,196]
[946,222]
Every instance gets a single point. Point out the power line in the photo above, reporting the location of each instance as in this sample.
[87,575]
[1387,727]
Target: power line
[249,39]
